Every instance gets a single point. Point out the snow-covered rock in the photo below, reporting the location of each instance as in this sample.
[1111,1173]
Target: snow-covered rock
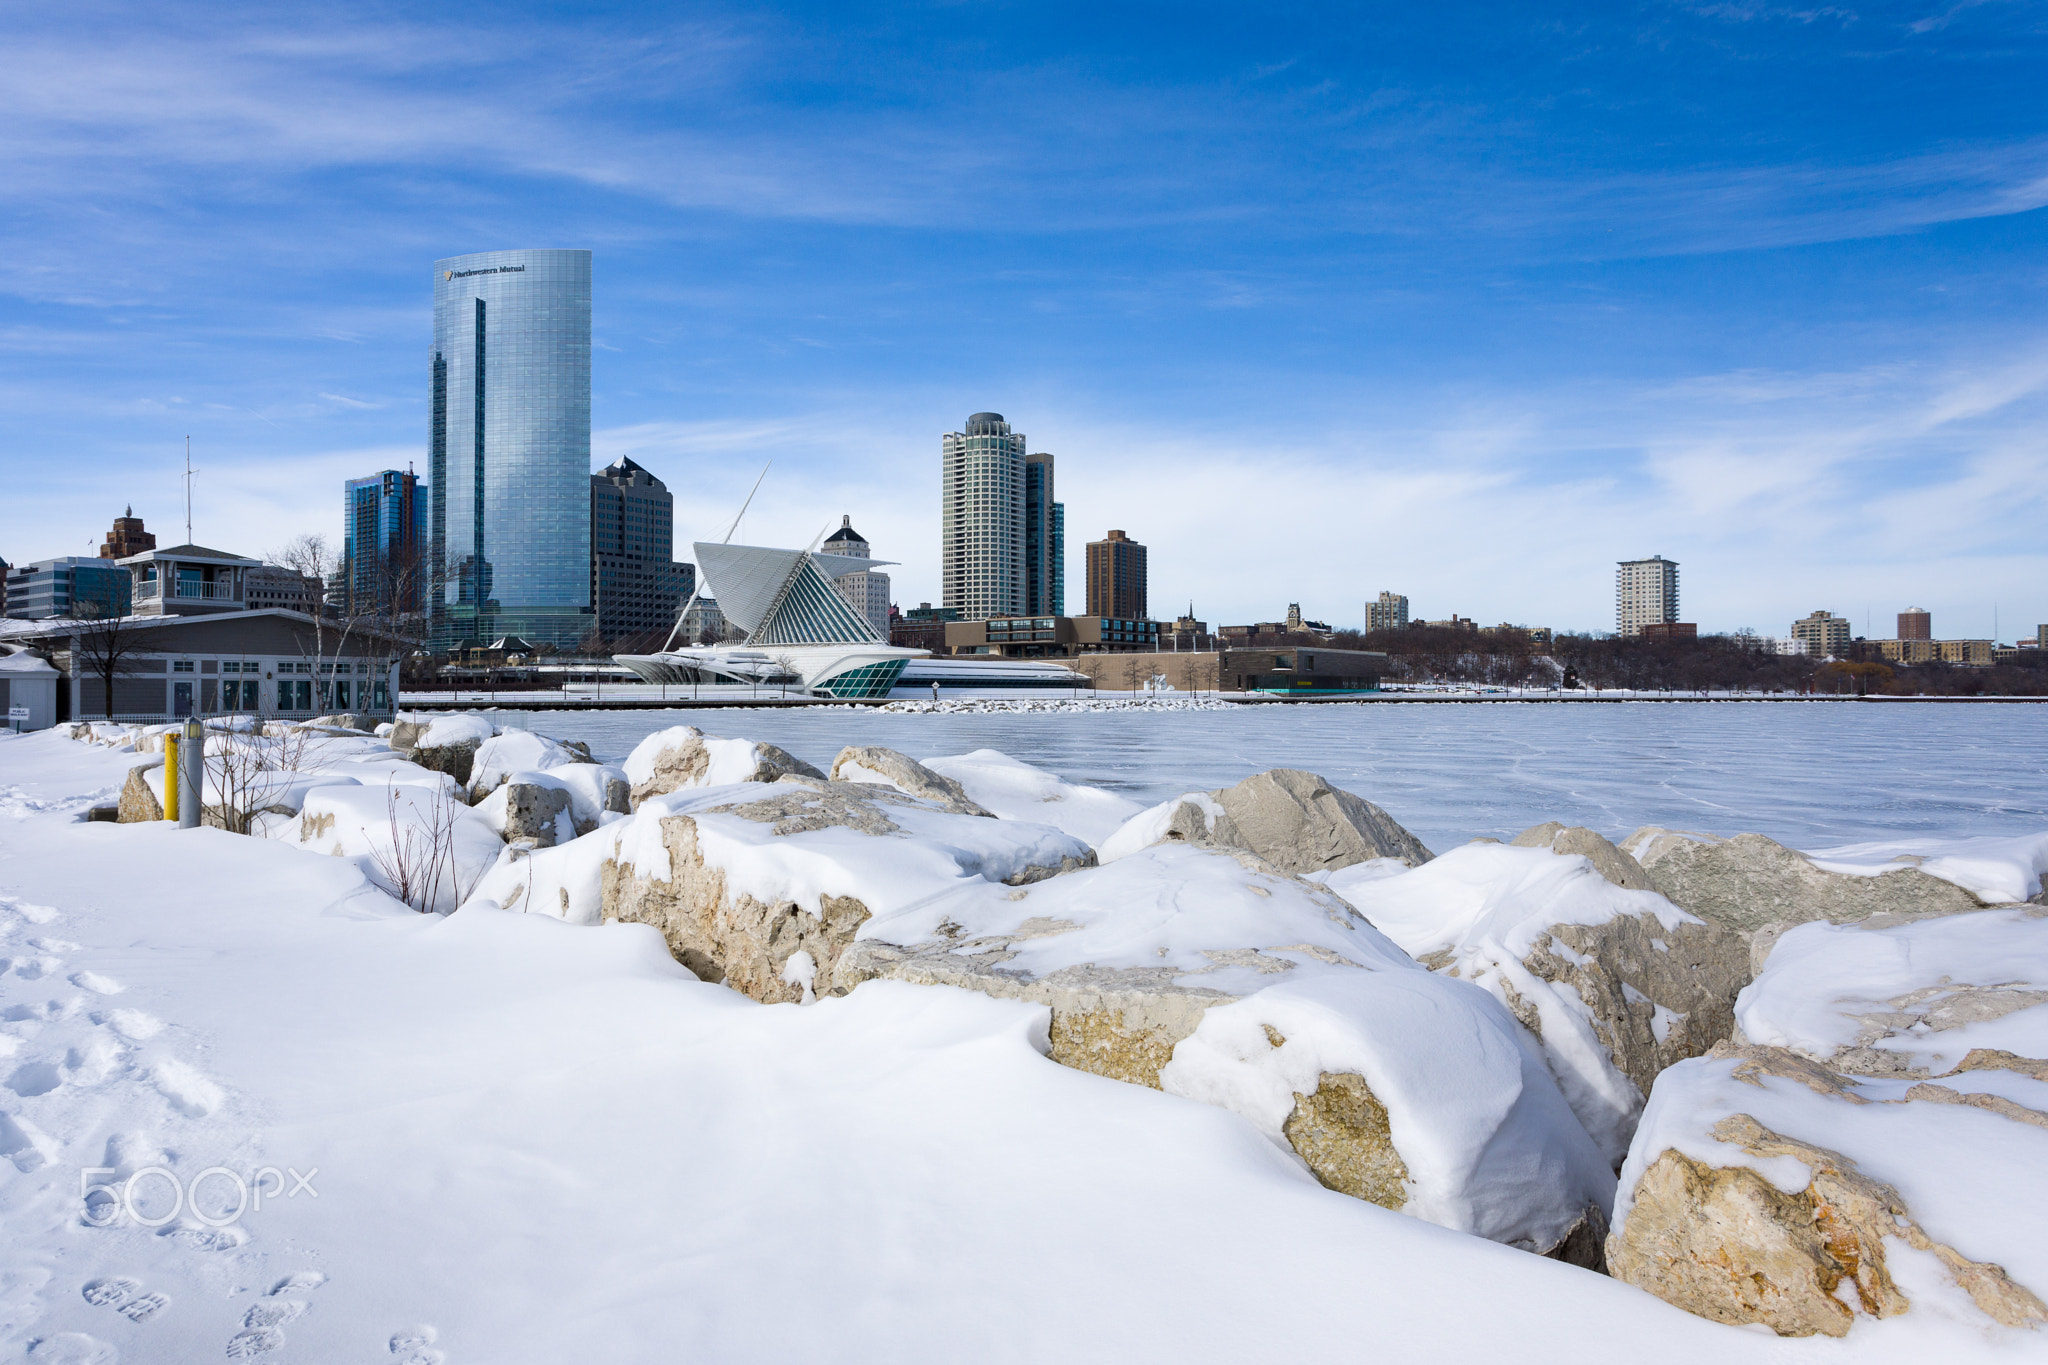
[420,844]
[874,764]
[1905,1000]
[1754,885]
[1609,861]
[1616,984]
[445,743]
[1765,1188]
[501,755]
[1211,975]
[1012,789]
[738,878]
[531,808]
[684,757]
[1294,820]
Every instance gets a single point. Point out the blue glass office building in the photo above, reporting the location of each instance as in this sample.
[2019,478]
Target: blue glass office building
[509,448]
[384,538]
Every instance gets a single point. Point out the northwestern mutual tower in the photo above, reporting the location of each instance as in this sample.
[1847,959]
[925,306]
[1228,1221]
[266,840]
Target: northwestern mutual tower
[509,447]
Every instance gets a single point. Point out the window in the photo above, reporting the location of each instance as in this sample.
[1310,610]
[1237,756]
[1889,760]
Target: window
[181,666]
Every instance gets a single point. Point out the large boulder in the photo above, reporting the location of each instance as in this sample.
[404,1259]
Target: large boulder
[498,757]
[684,757]
[765,889]
[1012,789]
[1609,861]
[1212,975]
[1616,984]
[139,800]
[1754,884]
[1904,1000]
[447,744]
[1766,1189]
[875,764]
[1294,820]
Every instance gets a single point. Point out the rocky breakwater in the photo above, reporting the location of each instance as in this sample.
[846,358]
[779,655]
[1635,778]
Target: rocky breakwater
[1874,1142]
[1614,981]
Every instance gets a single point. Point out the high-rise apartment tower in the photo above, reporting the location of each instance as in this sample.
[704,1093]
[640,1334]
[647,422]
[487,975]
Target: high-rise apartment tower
[1045,541]
[635,580]
[1824,633]
[509,448]
[1916,624]
[1116,577]
[384,549]
[1645,594]
[1389,613]
[982,519]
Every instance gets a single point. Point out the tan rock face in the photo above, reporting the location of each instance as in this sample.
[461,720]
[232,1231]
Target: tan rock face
[531,811]
[1343,1133]
[730,935]
[1656,995]
[138,802]
[1295,821]
[1750,883]
[907,775]
[1727,1244]
[1609,861]
[685,764]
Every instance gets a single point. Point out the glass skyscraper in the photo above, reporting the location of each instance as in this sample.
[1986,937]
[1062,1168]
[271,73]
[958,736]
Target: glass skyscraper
[509,448]
[384,522]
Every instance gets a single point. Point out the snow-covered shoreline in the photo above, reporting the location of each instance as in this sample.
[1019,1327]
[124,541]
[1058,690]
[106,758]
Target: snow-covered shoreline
[536,1140]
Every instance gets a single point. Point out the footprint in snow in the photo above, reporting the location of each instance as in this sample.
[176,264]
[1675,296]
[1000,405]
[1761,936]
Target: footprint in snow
[133,1025]
[415,1346]
[34,1078]
[299,1283]
[273,1312]
[71,1348]
[36,968]
[123,1295]
[97,984]
[189,1090]
[248,1345]
[34,914]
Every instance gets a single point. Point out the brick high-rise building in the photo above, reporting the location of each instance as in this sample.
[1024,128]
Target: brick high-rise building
[1916,624]
[127,537]
[1389,613]
[1116,577]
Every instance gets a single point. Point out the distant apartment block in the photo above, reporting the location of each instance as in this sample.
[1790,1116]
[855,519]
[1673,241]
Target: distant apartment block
[1645,594]
[865,590]
[1390,612]
[1670,630]
[1116,576]
[1824,634]
[1916,624]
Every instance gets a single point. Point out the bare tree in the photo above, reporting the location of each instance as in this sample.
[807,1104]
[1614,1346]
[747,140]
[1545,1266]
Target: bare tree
[310,557]
[252,772]
[106,641]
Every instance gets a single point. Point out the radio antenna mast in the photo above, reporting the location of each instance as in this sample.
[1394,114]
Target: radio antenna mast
[189,472]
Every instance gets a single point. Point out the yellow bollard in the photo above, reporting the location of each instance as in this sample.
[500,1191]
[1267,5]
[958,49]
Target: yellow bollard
[171,777]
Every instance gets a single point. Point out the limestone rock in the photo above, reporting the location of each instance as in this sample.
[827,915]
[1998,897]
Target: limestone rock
[499,757]
[873,763]
[685,757]
[1135,959]
[1609,861]
[1294,820]
[138,800]
[1750,882]
[533,812]
[1726,1242]
[347,720]
[740,927]
[1616,984]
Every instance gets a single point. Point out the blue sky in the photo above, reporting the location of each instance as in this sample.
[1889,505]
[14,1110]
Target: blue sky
[1466,301]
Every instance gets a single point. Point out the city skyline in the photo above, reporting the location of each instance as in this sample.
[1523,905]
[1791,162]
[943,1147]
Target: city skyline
[1757,290]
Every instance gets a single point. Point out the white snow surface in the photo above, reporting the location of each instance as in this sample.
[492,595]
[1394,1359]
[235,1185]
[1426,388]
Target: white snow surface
[527,1142]
[1994,869]
[732,760]
[1973,1179]
[1486,905]
[1015,790]
[1149,826]
[445,731]
[1823,984]
[517,751]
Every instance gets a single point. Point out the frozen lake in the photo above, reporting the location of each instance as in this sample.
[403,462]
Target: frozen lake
[1807,774]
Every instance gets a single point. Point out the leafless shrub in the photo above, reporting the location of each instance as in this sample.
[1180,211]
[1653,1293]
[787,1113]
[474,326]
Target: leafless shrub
[422,855]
